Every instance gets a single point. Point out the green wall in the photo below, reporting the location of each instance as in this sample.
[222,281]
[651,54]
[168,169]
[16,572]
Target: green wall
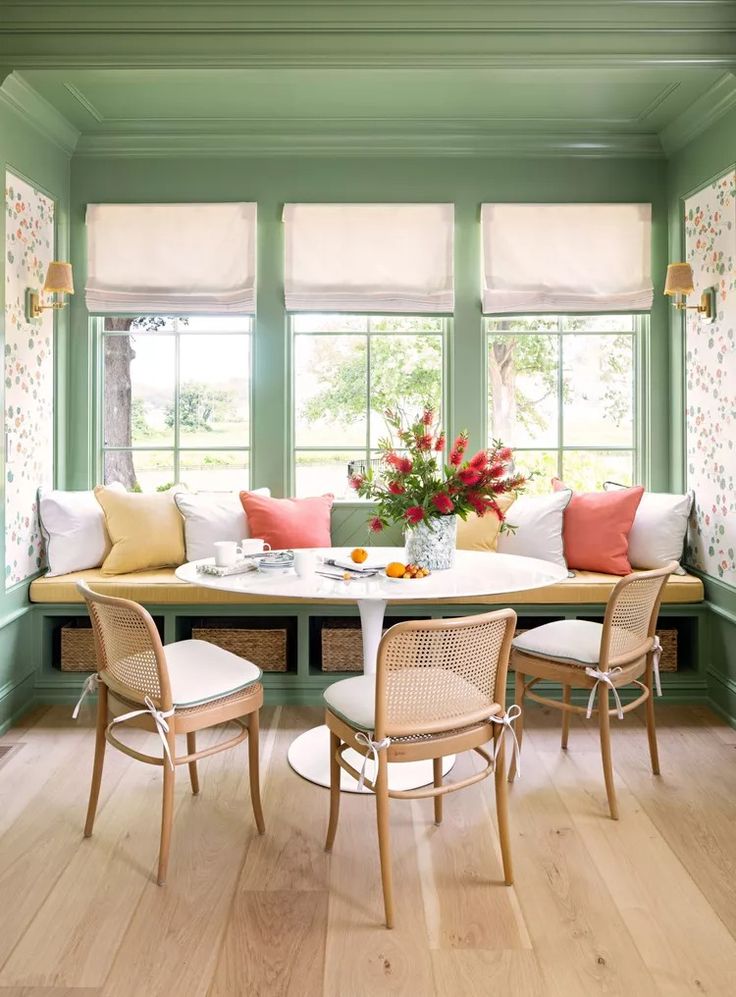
[703,159]
[271,182]
[27,153]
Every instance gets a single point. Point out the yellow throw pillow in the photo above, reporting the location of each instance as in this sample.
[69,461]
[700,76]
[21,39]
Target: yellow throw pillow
[146,530]
[481,532]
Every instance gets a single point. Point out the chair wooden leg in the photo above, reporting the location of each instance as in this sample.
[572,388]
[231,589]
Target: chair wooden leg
[334,792]
[651,725]
[191,749]
[519,722]
[502,809]
[254,772]
[167,811]
[437,771]
[384,838]
[566,690]
[605,729]
[100,745]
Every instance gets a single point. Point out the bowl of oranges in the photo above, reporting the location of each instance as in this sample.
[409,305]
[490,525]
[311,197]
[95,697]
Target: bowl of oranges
[397,571]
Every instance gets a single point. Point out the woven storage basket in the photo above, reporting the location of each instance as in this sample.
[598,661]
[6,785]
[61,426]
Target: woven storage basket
[668,640]
[265,648]
[342,647]
[77,649]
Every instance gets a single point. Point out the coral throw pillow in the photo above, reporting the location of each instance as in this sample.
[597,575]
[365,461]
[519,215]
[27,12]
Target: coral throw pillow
[596,529]
[289,522]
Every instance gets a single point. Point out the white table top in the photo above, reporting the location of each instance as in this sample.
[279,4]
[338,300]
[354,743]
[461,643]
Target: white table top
[475,573]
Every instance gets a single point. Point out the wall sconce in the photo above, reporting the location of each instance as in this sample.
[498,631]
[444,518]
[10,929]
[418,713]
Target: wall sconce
[59,280]
[679,283]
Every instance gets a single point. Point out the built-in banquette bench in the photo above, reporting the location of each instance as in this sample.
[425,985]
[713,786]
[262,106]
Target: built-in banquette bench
[303,646]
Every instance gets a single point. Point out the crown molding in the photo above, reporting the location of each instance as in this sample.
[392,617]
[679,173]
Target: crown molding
[700,115]
[36,111]
[404,140]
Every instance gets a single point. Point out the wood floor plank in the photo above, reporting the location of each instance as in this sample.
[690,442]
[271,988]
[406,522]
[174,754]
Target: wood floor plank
[683,942]
[274,946]
[478,973]
[48,992]
[582,944]
[173,938]
[291,856]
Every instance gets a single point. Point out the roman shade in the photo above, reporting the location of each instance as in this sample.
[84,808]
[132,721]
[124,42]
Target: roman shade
[566,257]
[369,257]
[171,259]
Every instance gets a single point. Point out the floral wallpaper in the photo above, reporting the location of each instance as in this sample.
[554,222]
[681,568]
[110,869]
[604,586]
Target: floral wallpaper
[29,375]
[710,243]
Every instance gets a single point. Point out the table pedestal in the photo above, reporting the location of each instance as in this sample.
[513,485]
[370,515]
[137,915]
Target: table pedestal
[309,754]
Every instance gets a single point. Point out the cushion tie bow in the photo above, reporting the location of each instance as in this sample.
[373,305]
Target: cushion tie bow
[159,718]
[656,655]
[604,677]
[507,722]
[90,686]
[373,748]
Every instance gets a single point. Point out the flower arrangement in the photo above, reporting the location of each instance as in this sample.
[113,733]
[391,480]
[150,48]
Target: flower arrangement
[415,485]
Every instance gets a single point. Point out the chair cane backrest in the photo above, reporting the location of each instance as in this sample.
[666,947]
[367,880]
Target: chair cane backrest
[631,615]
[129,648]
[436,675]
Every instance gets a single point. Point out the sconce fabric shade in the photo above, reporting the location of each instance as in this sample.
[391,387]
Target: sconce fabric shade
[566,257]
[59,279]
[369,257]
[171,259]
[679,279]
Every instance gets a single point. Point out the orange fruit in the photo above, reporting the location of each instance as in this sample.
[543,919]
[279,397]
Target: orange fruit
[395,569]
[359,555]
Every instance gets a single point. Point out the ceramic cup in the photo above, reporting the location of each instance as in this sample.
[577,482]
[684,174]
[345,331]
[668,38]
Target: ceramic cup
[252,545]
[226,553]
[305,562]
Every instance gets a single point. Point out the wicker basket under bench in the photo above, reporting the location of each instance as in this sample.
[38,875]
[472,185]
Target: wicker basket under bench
[267,648]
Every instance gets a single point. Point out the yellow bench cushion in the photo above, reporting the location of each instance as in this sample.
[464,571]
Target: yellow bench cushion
[163,588]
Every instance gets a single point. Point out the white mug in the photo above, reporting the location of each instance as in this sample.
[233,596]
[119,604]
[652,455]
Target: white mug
[305,562]
[226,553]
[253,545]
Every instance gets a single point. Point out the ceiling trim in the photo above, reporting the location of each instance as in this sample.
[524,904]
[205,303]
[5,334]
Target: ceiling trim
[402,142]
[701,114]
[38,112]
[84,102]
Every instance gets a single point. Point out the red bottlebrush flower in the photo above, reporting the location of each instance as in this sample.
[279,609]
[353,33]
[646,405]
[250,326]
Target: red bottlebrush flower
[356,480]
[493,504]
[478,503]
[404,465]
[505,454]
[395,488]
[428,417]
[375,525]
[424,442]
[440,443]
[458,449]
[496,471]
[443,503]
[392,459]
[479,460]
[469,476]
[415,514]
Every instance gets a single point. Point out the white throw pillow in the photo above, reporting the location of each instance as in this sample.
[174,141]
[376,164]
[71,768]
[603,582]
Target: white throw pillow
[212,516]
[73,527]
[658,533]
[538,521]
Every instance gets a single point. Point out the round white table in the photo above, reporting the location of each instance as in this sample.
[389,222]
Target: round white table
[474,574]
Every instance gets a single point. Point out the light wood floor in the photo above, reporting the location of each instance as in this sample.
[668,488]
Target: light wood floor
[643,906]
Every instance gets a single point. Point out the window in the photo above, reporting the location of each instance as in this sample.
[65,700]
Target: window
[347,370]
[176,402]
[562,392]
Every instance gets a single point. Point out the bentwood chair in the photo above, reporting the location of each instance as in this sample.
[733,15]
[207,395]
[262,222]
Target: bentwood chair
[600,658]
[181,688]
[439,689]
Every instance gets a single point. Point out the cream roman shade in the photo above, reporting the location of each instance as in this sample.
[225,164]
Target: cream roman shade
[171,259]
[566,257]
[369,257]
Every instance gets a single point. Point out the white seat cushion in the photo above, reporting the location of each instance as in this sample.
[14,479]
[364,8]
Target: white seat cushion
[200,671]
[354,700]
[576,641]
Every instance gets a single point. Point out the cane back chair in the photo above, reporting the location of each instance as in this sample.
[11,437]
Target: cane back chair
[179,688]
[600,658]
[439,690]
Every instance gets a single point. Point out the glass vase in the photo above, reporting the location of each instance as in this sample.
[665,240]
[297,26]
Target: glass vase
[432,544]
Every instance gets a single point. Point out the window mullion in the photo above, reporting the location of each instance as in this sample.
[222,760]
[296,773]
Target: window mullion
[177,358]
[560,398]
